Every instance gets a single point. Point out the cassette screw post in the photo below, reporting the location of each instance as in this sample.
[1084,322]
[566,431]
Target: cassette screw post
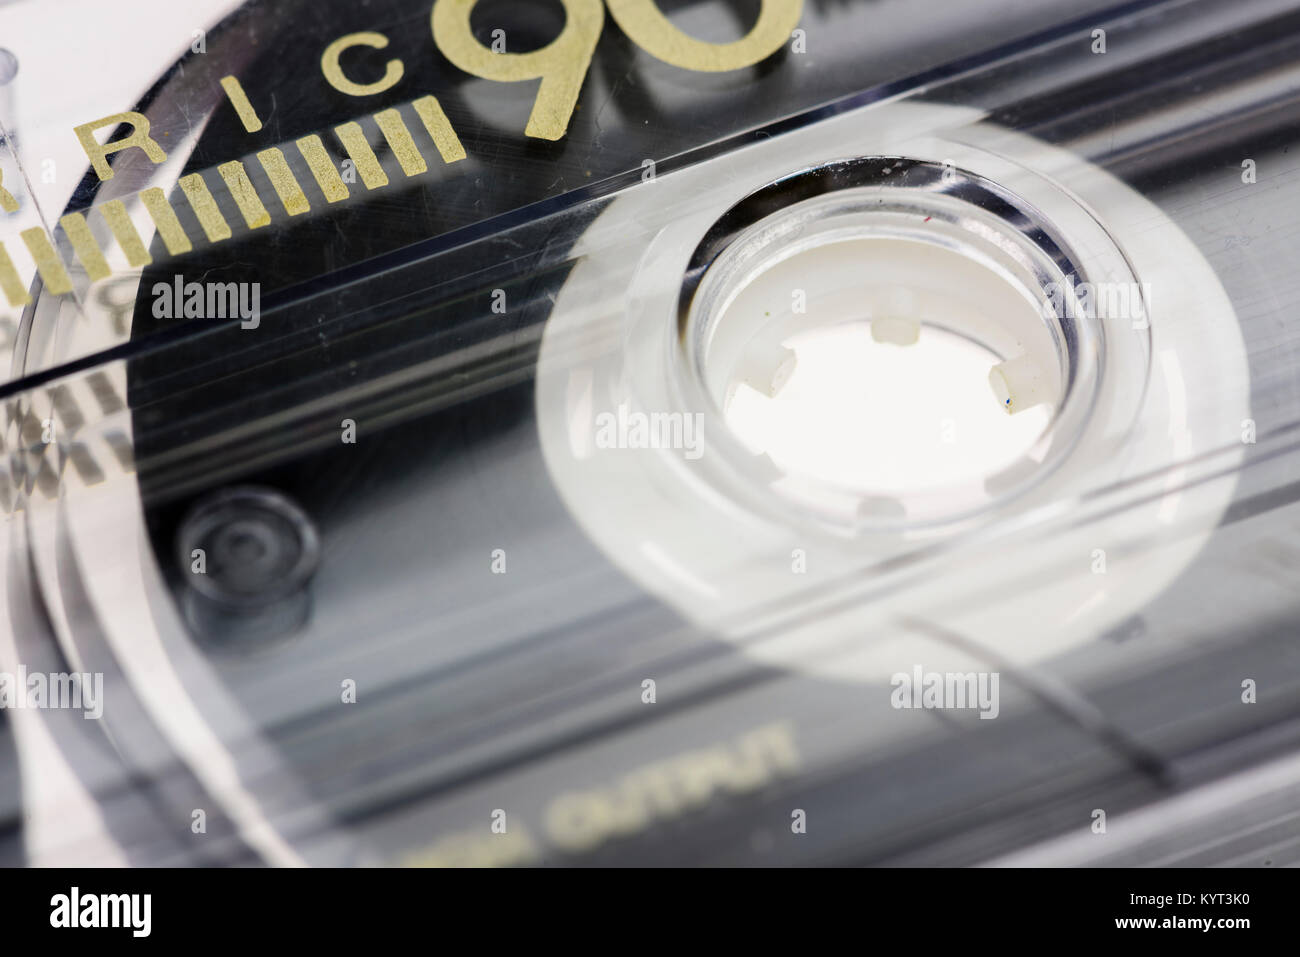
[246,554]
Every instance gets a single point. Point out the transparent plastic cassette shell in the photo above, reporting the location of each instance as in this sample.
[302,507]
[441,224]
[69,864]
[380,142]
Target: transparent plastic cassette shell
[523,691]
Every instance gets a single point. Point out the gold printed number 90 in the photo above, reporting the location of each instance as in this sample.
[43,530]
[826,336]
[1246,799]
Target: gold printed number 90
[562,64]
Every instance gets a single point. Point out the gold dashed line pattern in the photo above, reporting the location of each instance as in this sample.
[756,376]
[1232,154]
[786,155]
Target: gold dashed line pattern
[84,245]
[363,157]
[164,217]
[205,207]
[286,187]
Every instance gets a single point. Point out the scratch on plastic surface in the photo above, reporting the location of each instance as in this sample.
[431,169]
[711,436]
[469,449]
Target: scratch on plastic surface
[31,195]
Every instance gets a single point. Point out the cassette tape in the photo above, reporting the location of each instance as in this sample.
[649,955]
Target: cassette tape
[650,432]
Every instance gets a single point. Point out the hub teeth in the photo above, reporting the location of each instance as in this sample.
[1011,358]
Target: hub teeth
[896,331]
[1018,384]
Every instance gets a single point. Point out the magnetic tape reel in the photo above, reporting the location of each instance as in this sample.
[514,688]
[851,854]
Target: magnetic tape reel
[689,432]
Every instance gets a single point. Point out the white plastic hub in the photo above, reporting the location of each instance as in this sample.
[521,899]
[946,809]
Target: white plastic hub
[812,568]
